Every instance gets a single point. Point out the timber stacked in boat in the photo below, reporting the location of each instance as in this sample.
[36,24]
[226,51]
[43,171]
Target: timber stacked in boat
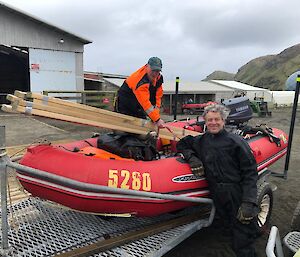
[55,108]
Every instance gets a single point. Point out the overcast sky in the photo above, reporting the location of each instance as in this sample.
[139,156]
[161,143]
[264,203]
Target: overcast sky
[192,37]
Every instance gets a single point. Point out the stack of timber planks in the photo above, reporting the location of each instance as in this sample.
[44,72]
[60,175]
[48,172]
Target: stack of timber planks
[55,108]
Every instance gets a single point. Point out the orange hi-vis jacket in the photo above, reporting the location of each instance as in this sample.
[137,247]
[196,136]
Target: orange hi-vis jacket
[137,92]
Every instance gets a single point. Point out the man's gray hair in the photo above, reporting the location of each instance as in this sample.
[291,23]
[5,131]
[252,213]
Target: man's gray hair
[219,108]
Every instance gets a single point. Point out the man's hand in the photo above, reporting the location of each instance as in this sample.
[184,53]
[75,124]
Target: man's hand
[196,166]
[247,212]
[160,123]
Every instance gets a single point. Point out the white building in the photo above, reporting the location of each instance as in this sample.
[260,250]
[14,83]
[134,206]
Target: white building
[283,98]
[249,91]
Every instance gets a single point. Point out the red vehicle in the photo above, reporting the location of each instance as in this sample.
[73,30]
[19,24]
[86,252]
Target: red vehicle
[192,108]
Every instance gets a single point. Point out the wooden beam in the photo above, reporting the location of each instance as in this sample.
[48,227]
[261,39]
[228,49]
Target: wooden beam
[85,108]
[91,114]
[20,94]
[140,123]
[76,107]
[142,131]
[108,119]
[7,108]
[47,99]
[12,98]
[73,113]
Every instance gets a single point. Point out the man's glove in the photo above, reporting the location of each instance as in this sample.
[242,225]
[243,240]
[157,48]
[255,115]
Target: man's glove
[196,166]
[247,212]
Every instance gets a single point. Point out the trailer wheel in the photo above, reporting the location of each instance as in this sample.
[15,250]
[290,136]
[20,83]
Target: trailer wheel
[295,224]
[265,204]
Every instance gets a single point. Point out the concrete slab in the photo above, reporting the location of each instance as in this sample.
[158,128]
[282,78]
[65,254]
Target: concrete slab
[23,129]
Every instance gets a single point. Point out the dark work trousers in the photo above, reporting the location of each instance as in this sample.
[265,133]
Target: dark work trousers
[227,199]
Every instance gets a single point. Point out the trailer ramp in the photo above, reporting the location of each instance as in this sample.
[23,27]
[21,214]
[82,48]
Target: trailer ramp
[37,228]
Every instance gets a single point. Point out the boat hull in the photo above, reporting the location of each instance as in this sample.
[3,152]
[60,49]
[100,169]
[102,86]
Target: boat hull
[171,176]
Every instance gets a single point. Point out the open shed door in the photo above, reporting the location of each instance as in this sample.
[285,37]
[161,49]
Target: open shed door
[52,70]
[14,74]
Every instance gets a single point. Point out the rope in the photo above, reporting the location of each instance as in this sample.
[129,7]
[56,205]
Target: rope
[170,130]
[37,141]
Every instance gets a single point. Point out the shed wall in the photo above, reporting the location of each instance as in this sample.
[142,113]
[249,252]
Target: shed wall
[52,70]
[18,31]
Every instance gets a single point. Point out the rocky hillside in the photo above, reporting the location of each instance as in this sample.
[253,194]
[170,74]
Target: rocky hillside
[269,71]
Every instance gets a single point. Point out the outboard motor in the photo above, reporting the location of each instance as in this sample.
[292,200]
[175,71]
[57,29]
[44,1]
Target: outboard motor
[240,110]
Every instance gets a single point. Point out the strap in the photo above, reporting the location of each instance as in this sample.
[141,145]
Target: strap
[170,130]
[264,131]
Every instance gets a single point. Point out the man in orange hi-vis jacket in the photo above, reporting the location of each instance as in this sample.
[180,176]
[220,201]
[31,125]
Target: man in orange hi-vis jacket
[141,93]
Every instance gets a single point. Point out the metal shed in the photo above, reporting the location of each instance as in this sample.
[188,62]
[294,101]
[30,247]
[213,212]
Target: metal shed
[198,92]
[36,55]
[242,88]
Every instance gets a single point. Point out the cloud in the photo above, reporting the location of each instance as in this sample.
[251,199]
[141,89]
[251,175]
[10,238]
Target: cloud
[242,23]
[193,37]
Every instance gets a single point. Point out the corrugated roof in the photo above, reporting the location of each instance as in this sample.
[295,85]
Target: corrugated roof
[38,20]
[202,87]
[115,81]
[237,85]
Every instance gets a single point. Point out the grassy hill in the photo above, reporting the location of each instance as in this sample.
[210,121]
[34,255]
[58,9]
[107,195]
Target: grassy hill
[269,71]
[220,75]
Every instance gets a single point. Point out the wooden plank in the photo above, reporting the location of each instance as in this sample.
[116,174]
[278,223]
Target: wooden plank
[8,108]
[19,198]
[54,107]
[120,121]
[107,117]
[100,118]
[81,113]
[20,94]
[47,99]
[103,116]
[143,131]
[13,98]
[137,121]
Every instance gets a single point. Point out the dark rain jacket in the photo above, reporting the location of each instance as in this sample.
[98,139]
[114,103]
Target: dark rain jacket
[138,96]
[227,160]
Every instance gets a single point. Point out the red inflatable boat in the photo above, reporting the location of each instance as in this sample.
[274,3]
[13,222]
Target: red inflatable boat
[166,175]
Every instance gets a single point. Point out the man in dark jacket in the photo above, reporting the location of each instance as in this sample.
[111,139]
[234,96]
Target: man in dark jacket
[231,172]
[141,93]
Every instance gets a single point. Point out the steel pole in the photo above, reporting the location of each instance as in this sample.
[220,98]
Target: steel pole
[3,181]
[176,98]
[292,126]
